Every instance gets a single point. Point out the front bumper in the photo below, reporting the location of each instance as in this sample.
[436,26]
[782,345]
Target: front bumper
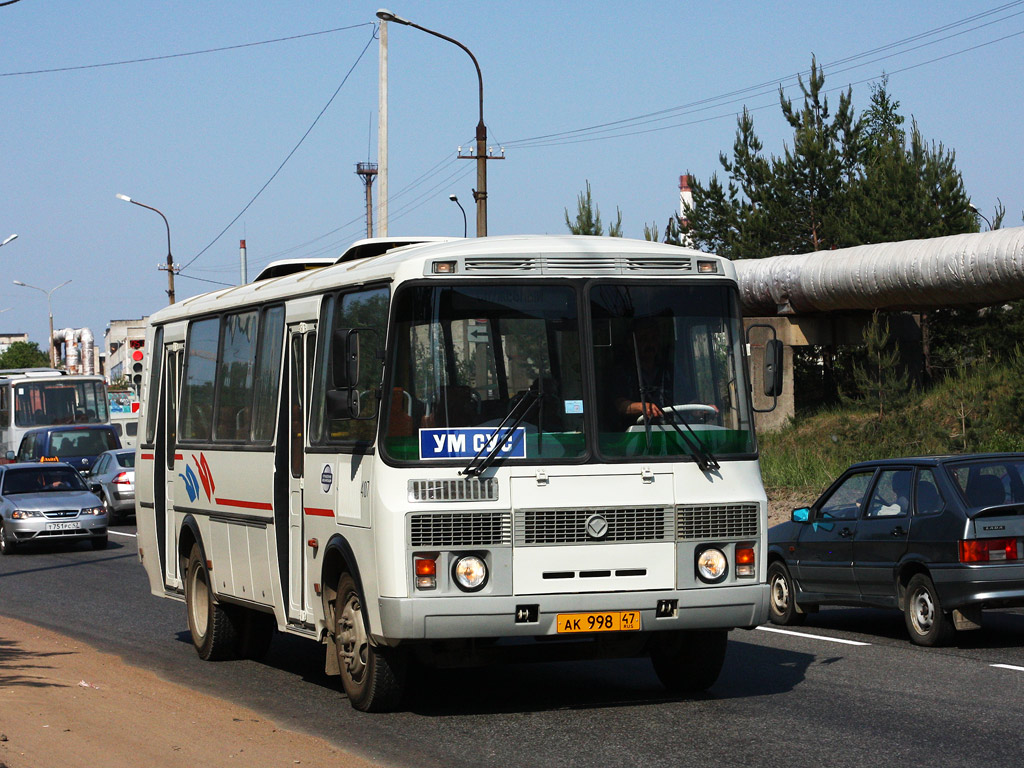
[35,529]
[468,616]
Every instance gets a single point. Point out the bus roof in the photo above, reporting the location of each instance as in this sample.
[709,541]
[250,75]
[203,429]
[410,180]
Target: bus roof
[507,256]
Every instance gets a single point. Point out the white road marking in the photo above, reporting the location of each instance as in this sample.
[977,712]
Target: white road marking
[119,533]
[812,637]
[1007,666]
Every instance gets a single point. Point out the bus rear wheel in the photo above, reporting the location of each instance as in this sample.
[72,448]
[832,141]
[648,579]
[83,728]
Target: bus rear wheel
[372,677]
[213,632]
[688,661]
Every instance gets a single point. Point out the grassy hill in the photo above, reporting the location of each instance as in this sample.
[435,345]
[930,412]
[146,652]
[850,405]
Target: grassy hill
[977,408]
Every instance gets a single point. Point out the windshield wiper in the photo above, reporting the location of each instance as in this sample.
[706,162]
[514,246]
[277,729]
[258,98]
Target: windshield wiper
[705,459]
[477,465]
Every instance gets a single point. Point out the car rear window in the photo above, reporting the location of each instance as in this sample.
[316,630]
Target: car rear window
[126,459]
[81,442]
[989,483]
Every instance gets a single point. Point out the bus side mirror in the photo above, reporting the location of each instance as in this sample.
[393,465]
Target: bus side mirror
[342,403]
[345,358]
[773,368]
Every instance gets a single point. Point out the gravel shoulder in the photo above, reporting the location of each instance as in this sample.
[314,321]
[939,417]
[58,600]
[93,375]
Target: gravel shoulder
[64,704]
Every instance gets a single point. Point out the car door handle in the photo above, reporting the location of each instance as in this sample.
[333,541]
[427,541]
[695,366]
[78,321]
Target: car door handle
[846,533]
[898,531]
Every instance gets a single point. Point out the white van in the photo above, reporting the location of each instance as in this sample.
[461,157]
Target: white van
[127,427]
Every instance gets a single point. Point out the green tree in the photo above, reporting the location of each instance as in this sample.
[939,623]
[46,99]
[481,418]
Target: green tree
[842,181]
[24,354]
[880,381]
[588,218]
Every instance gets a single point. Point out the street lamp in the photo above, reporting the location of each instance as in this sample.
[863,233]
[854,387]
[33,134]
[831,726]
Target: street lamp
[170,261]
[5,242]
[980,215]
[455,200]
[49,306]
[480,193]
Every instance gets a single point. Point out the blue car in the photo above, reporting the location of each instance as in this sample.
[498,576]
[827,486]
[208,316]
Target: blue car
[79,446]
[940,538]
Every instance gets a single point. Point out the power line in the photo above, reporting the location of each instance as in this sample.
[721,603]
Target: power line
[283,162]
[757,90]
[181,55]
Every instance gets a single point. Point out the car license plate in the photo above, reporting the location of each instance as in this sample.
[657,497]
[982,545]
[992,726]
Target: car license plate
[61,526]
[606,621]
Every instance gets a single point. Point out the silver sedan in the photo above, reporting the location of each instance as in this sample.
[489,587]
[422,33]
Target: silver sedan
[48,502]
[113,480]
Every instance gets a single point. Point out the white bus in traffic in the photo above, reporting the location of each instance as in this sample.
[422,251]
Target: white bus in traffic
[449,451]
[44,397]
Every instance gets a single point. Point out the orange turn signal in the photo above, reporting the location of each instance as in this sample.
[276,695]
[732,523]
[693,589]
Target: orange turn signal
[426,567]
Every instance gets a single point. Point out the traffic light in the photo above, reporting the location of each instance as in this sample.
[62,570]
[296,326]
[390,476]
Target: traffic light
[136,346]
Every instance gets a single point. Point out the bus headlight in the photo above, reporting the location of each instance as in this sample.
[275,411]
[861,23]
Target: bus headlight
[712,565]
[470,573]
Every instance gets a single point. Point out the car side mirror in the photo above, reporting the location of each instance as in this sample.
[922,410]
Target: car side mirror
[11,456]
[801,515]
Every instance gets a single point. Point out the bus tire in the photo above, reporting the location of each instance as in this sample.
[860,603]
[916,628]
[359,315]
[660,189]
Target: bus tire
[688,661]
[213,632]
[372,677]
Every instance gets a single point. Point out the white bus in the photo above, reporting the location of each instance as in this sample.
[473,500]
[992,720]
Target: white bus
[449,451]
[44,397]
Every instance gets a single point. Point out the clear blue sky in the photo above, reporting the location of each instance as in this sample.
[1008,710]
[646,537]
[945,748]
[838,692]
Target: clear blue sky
[198,136]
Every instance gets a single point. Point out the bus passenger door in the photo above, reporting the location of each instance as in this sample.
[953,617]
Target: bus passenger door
[171,383]
[301,348]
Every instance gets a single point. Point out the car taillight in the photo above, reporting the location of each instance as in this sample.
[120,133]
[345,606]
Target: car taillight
[122,479]
[988,550]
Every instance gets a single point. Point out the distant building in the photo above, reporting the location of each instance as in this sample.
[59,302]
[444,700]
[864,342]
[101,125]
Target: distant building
[124,342]
[6,339]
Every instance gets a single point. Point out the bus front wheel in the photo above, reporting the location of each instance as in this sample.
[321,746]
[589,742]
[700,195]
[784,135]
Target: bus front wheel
[371,676]
[213,632]
[688,661]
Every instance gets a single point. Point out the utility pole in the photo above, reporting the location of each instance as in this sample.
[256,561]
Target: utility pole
[382,133]
[368,171]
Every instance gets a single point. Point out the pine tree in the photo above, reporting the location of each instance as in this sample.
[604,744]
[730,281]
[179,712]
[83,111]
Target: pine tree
[881,381]
[588,217]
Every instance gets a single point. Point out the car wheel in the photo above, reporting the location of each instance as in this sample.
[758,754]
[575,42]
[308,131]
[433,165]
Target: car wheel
[99,542]
[927,623]
[372,677]
[7,546]
[213,631]
[782,596]
[112,516]
[688,661]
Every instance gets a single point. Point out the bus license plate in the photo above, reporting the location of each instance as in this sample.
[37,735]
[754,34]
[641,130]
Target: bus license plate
[61,526]
[607,621]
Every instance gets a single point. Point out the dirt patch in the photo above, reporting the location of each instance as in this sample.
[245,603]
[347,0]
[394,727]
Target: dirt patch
[783,501]
[63,704]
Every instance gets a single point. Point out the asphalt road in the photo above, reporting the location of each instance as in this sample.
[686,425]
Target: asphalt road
[847,689]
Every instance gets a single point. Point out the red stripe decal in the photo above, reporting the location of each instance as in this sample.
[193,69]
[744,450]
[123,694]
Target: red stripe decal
[319,512]
[178,457]
[147,457]
[245,504]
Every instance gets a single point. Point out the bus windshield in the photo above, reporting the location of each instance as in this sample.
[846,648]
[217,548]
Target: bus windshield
[668,372]
[465,355]
[62,401]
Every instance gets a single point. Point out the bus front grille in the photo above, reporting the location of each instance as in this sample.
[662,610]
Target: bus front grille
[459,529]
[540,527]
[454,489]
[716,521]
